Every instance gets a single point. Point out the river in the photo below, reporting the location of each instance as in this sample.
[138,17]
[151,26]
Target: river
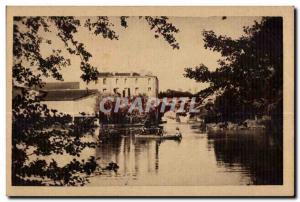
[197,159]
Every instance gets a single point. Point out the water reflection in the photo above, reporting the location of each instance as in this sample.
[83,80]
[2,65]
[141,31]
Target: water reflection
[199,159]
[258,155]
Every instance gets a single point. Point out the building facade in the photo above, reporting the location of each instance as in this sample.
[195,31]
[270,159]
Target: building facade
[127,84]
[72,102]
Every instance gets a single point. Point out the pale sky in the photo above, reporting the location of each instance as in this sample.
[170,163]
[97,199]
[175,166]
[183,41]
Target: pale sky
[137,49]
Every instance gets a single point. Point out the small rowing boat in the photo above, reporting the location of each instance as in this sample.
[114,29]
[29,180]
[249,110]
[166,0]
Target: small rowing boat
[164,137]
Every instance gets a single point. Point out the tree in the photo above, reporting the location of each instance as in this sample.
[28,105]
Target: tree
[43,131]
[249,73]
[174,93]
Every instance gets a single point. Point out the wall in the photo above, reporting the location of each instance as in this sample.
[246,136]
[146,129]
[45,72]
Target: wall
[137,84]
[73,108]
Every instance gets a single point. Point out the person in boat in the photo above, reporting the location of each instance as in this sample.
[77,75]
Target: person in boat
[144,130]
[178,133]
[160,132]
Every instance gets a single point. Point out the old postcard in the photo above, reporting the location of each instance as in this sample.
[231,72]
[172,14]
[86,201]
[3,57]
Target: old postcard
[150,101]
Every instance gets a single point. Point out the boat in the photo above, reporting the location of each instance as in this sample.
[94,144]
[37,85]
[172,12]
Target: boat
[162,137]
[151,130]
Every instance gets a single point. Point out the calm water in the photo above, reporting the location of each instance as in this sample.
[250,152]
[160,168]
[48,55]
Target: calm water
[197,159]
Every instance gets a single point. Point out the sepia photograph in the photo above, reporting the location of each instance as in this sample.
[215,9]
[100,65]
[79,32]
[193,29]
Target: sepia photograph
[150,101]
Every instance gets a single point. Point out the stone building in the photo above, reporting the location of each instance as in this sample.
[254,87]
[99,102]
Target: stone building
[126,84]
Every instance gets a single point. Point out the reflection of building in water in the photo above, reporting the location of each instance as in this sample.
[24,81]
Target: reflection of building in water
[132,156]
[127,84]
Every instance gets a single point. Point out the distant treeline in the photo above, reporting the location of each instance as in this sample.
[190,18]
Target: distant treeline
[174,93]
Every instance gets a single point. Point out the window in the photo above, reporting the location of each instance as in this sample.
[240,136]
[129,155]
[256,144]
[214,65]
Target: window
[116,90]
[149,89]
[104,81]
[149,79]
[136,91]
[125,80]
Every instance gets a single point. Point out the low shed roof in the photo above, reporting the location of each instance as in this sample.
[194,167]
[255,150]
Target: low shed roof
[59,86]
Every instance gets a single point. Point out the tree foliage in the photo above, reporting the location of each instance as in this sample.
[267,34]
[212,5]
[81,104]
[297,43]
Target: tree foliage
[38,131]
[28,37]
[174,93]
[249,73]
[163,28]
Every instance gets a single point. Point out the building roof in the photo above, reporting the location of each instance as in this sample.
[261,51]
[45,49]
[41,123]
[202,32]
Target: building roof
[105,74]
[122,74]
[59,85]
[66,95]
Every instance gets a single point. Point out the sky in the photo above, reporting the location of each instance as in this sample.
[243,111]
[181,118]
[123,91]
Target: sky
[138,50]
